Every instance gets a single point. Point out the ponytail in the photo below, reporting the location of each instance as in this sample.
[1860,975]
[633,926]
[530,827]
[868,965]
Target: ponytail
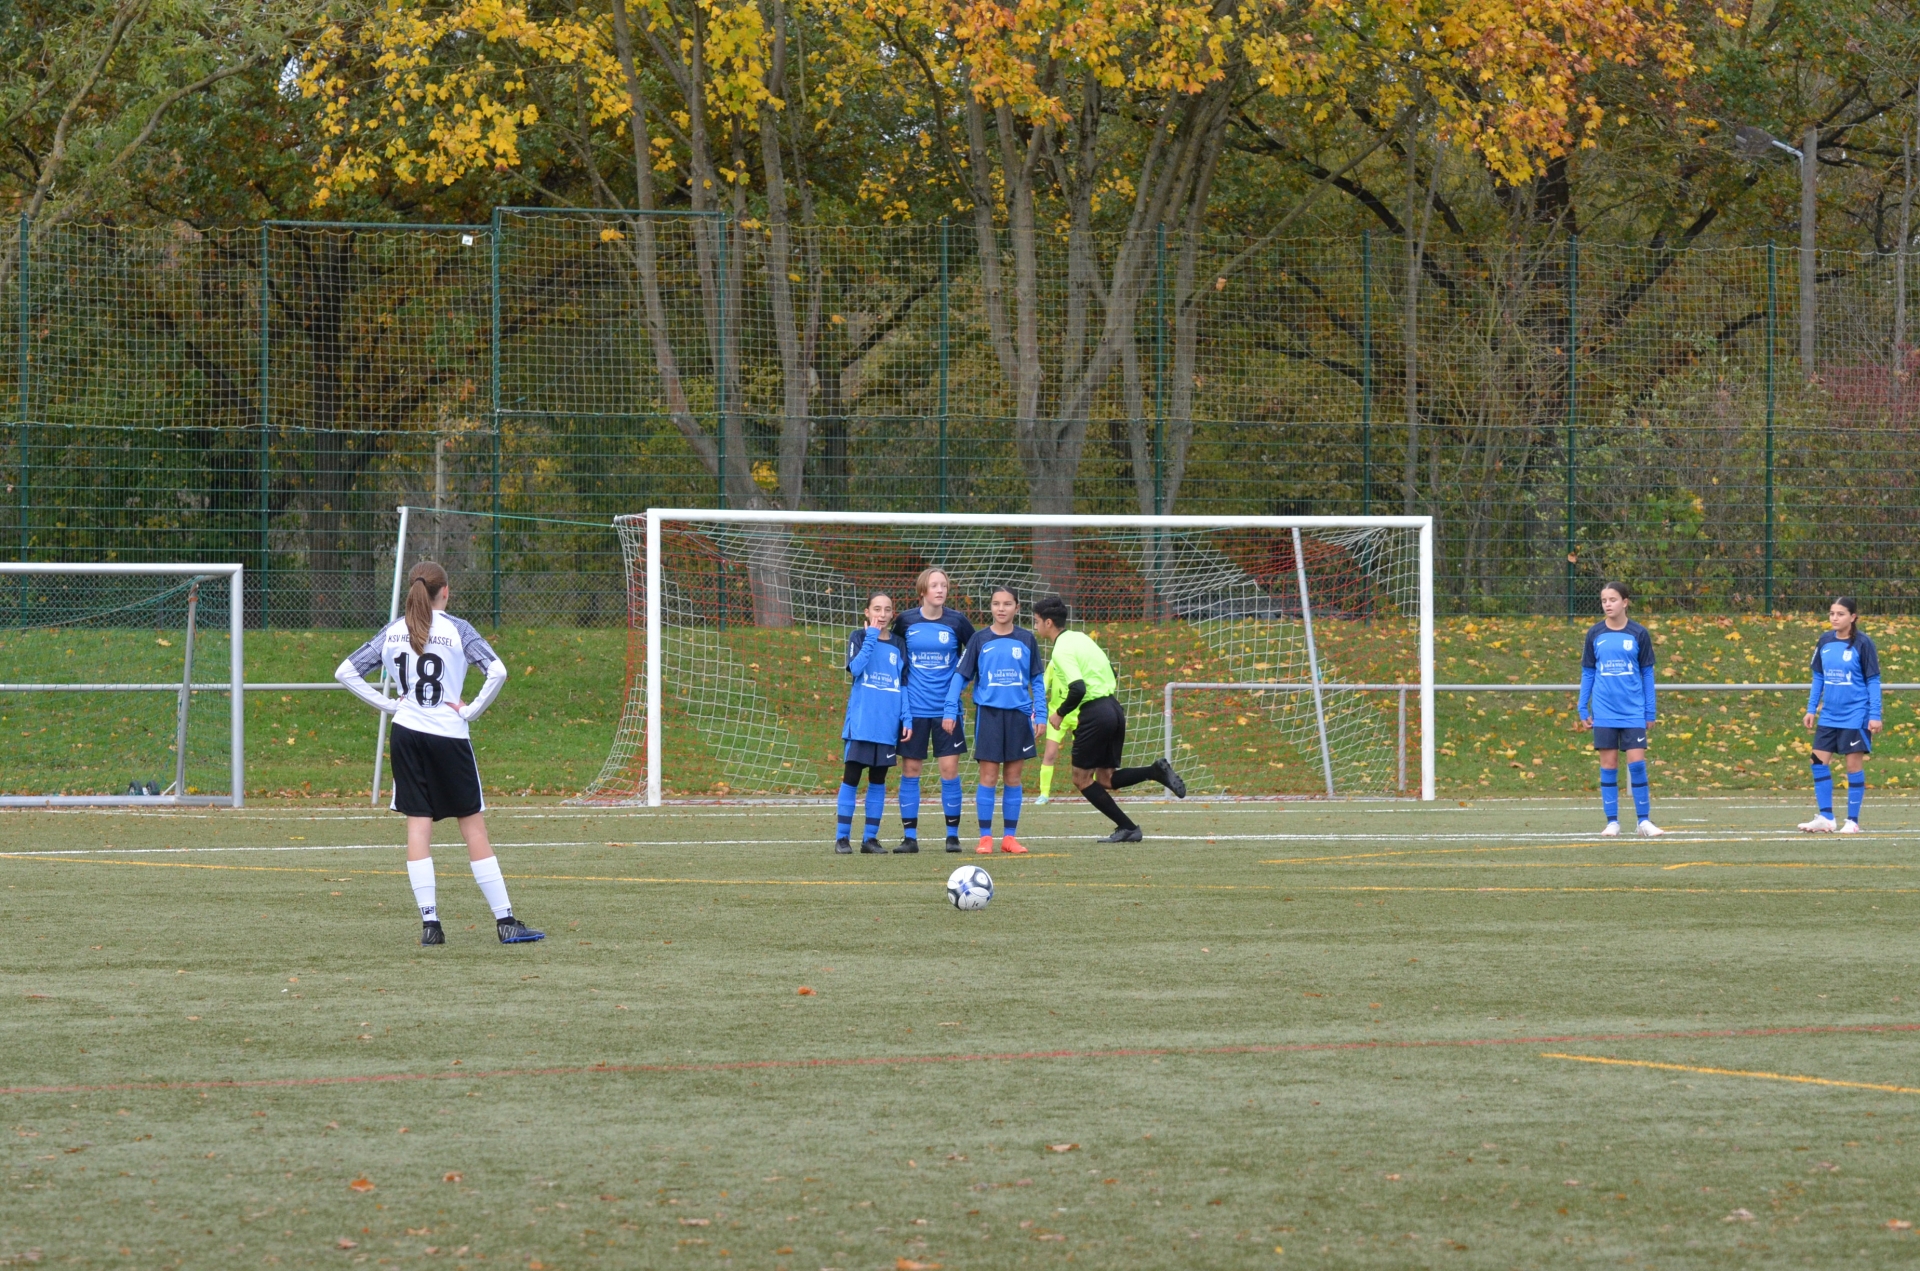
[425,581]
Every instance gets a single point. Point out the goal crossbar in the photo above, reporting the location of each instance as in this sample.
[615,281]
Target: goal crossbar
[655,519]
[235,574]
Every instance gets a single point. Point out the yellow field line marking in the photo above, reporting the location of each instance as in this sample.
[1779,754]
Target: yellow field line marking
[1674,891]
[1735,1072]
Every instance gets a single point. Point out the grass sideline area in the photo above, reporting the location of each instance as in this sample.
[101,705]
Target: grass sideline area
[1330,1035]
[551,730]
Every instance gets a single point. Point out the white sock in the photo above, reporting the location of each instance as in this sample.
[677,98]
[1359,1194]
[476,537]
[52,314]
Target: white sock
[487,874]
[420,874]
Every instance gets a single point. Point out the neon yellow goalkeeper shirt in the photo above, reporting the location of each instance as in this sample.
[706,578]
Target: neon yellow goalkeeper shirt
[1076,657]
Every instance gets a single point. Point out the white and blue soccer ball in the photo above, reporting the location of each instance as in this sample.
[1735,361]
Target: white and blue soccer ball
[969,887]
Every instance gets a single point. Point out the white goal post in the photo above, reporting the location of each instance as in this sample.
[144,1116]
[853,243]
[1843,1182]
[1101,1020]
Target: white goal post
[1185,562]
[182,689]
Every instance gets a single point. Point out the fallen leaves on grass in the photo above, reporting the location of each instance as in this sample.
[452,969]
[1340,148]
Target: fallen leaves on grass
[1899,1224]
[908,1264]
[1739,1215]
[360,1185]
[1061,1147]
[804,991]
[696,1222]
[452,1176]
[344,1243]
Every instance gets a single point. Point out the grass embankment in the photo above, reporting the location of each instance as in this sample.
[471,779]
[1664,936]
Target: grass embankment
[551,731]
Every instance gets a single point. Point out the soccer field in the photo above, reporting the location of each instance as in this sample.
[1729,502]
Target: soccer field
[1348,1035]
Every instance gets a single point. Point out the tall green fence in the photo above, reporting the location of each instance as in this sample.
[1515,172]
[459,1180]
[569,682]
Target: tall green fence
[1579,411]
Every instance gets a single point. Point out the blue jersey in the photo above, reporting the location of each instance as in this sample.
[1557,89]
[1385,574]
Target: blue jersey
[877,702]
[934,646]
[1616,676]
[1846,681]
[1005,671]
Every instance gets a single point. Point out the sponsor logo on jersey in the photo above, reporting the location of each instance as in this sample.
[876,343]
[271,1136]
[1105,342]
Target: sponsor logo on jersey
[1010,678]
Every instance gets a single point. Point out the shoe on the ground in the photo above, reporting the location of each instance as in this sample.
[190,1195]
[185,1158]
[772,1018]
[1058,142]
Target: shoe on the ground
[513,931]
[432,933]
[1043,800]
[1163,773]
[1011,845]
[136,789]
[1851,827]
[953,842]
[1819,825]
[843,846]
[153,789]
[985,846]
[871,847]
[1124,834]
[907,847]
[1612,831]
[1648,830]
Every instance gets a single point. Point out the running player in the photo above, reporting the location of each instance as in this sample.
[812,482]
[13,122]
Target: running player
[1009,710]
[1617,703]
[427,653]
[1844,703]
[1086,688]
[877,720]
[934,636]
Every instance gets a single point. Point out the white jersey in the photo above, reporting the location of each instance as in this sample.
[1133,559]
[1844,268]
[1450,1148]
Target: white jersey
[432,680]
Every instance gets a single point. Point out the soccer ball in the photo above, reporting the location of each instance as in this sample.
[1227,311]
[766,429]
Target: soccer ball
[969,887]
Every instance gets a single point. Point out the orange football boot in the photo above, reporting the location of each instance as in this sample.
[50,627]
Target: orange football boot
[986,845]
[1011,846]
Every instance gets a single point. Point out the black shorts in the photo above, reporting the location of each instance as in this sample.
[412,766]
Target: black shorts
[434,776]
[1102,734]
[1605,738]
[1001,735]
[1843,741]
[873,754]
[944,742]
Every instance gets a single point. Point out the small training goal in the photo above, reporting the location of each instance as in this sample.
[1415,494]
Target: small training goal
[121,684]
[1292,639]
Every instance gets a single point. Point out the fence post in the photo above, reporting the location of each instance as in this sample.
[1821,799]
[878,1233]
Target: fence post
[945,283]
[720,364]
[1573,404]
[493,339]
[1159,369]
[24,440]
[1772,318]
[1366,380]
[266,423]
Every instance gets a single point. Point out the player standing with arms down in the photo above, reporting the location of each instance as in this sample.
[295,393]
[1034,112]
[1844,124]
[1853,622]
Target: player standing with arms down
[1009,711]
[935,637]
[1617,703]
[1085,683]
[877,720]
[427,653]
[1844,701]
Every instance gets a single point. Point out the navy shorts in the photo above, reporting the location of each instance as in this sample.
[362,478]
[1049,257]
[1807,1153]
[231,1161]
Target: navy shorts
[1843,741]
[1605,738]
[872,754]
[1001,735]
[944,742]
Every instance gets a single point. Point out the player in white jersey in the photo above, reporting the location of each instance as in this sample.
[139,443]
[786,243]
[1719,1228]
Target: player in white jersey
[427,654]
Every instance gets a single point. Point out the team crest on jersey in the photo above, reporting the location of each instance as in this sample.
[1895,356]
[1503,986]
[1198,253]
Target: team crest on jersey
[943,635]
[1847,656]
[1629,644]
[1016,655]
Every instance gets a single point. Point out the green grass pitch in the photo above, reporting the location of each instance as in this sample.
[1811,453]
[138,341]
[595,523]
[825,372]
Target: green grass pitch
[1359,1035]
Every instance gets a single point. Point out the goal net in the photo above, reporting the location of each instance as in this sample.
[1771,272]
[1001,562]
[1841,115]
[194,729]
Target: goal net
[121,684]
[738,626]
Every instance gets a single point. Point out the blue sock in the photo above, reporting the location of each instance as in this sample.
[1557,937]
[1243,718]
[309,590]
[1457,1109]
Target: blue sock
[1856,794]
[910,806]
[1610,793]
[1010,808]
[950,802]
[983,807]
[1823,789]
[876,804]
[1642,797]
[847,794]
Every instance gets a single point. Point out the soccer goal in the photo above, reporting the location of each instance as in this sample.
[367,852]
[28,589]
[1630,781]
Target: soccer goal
[121,684]
[738,623]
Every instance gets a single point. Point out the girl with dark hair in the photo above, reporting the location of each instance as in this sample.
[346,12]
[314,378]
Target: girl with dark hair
[426,652]
[877,720]
[1617,703]
[1843,709]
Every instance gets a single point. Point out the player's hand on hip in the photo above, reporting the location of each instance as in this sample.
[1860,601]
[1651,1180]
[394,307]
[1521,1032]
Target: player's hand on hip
[1809,719]
[946,725]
